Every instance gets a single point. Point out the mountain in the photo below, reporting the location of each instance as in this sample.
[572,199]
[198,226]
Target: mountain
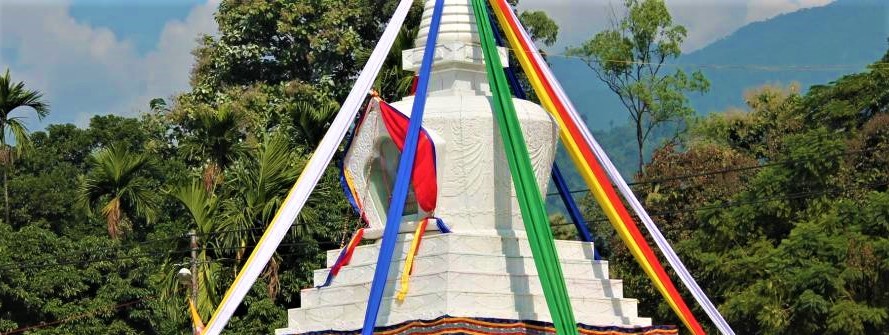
[810,46]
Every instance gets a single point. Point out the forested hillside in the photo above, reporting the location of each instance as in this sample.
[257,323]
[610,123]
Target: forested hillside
[811,46]
[808,47]
[781,211]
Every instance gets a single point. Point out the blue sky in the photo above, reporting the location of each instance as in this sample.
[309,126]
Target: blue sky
[143,27]
[112,56]
[100,56]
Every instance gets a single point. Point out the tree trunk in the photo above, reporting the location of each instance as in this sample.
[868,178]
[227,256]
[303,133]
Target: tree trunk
[6,195]
[6,161]
[640,144]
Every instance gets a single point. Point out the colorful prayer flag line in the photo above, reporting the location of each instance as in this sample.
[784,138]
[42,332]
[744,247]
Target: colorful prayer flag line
[310,176]
[588,165]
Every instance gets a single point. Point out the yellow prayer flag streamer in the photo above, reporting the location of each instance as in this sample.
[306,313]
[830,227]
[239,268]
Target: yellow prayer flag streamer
[195,316]
[582,165]
[350,180]
[409,261]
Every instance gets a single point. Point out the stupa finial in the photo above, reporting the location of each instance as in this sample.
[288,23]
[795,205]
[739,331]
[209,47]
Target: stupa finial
[459,62]
[457,23]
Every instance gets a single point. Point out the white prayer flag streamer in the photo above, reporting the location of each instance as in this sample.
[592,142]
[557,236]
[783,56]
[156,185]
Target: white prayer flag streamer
[307,181]
[627,193]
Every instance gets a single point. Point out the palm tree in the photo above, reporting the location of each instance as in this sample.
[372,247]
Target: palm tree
[394,82]
[203,206]
[257,186]
[13,96]
[217,138]
[310,119]
[260,182]
[114,186]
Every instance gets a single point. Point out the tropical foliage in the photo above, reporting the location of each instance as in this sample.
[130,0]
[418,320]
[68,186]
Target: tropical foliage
[98,215]
[13,96]
[781,209]
[113,185]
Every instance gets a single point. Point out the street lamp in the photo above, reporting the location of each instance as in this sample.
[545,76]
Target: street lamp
[184,276]
[188,278]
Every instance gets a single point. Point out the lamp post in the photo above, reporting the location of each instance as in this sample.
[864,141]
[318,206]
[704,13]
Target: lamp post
[194,266]
[187,277]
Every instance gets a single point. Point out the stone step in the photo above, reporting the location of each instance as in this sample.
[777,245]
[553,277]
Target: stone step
[427,306]
[462,282]
[468,263]
[467,244]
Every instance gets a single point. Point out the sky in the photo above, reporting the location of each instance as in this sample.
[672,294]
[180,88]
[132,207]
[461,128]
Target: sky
[99,56]
[706,20]
[113,56]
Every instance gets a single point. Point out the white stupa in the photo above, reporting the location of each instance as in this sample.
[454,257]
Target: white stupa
[484,269]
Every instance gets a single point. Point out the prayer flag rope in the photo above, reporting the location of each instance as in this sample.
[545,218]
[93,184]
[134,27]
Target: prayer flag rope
[403,176]
[549,89]
[310,176]
[533,209]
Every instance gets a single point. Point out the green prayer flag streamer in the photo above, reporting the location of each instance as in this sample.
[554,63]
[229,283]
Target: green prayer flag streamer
[543,247]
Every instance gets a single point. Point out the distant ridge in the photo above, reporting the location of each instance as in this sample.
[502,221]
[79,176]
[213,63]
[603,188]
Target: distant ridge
[809,46]
[817,45]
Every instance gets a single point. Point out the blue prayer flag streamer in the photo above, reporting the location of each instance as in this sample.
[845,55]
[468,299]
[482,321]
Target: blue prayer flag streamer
[573,211]
[403,177]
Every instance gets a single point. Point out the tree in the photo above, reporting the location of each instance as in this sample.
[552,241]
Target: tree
[114,185]
[203,206]
[630,59]
[540,26]
[781,210]
[13,96]
[259,184]
[314,41]
[68,285]
[216,138]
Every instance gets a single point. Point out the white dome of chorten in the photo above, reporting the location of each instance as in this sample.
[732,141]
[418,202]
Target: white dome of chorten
[475,190]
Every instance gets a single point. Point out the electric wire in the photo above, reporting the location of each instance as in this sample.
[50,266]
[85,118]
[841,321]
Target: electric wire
[732,204]
[736,169]
[715,66]
[94,259]
[105,249]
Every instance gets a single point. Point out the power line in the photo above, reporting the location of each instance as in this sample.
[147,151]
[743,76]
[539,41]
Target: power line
[241,230]
[89,255]
[737,169]
[93,252]
[92,259]
[88,260]
[731,204]
[299,244]
[752,167]
[751,67]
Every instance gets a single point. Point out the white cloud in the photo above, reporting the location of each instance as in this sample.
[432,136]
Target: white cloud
[706,21]
[86,70]
[172,60]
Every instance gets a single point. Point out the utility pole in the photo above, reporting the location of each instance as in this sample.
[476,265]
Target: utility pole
[194,273]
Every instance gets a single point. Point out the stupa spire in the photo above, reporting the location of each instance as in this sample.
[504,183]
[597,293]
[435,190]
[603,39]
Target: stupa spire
[457,23]
[459,62]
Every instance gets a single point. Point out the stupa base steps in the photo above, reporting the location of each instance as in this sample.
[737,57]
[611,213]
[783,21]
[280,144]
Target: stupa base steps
[463,275]
[428,306]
